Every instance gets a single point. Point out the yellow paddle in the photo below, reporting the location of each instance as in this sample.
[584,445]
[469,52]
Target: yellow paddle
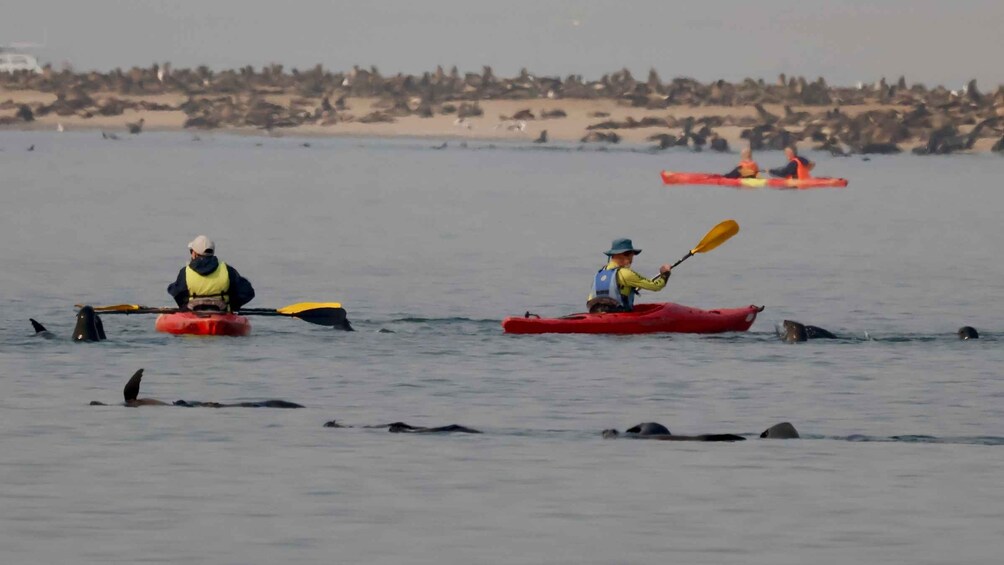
[717,236]
[321,313]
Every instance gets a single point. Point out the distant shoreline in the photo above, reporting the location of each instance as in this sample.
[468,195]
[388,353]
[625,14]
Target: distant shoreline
[617,109]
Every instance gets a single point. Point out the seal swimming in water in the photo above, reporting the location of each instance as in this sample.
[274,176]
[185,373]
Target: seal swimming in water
[260,404]
[655,430]
[40,330]
[968,332]
[402,428]
[794,332]
[784,430]
[89,326]
[131,394]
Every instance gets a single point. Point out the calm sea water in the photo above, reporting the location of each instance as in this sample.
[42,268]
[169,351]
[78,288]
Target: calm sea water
[437,247]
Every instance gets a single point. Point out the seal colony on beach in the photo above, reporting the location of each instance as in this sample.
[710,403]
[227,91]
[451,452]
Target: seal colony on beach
[883,117]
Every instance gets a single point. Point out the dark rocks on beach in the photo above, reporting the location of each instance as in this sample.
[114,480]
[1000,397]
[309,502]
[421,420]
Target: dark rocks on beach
[376,117]
[24,113]
[523,115]
[467,110]
[600,137]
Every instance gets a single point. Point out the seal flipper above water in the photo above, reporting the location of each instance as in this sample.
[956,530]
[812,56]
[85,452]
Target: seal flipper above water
[131,393]
[40,329]
[131,390]
[784,430]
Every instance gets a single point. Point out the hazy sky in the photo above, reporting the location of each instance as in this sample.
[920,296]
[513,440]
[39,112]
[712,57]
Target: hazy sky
[931,41]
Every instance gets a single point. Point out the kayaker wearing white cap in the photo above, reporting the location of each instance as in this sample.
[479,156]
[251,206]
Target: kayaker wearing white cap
[615,285]
[207,283]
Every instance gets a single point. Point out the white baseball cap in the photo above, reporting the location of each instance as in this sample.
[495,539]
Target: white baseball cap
[202,245]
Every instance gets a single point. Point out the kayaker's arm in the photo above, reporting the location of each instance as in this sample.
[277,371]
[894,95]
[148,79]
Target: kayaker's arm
[789,170]
[241,291]
[179,289]
[632,279]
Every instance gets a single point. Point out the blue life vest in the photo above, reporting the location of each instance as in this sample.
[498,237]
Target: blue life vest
[606,290]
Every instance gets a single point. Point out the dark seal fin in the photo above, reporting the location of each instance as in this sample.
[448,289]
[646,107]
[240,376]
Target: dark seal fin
[965,332]
[39,328]
[131,390]
[784,430]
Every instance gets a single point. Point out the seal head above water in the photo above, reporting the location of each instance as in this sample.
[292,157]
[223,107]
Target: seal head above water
[795,332]
[784,430]
[89,326]
[968,332]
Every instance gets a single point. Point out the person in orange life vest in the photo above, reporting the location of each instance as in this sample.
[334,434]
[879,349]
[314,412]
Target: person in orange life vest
[615,285]
[797,167]
[747,168]
[207,283]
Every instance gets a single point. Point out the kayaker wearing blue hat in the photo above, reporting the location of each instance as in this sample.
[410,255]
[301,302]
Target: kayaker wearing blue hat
[615,285]
[207,283]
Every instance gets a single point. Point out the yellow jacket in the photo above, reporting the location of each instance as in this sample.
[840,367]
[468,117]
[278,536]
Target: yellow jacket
[628,279]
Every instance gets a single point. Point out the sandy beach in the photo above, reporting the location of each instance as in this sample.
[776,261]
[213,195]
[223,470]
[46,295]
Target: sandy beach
[840,120]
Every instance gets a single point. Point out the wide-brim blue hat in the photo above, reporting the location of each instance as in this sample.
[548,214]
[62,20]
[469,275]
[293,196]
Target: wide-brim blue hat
[622,245]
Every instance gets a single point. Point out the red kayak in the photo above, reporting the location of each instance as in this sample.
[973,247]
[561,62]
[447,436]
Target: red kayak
[669,177]
[645,318]
[203,323]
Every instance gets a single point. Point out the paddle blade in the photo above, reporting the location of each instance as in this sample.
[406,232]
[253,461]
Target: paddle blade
[332,317]
[304,306]
[717,236]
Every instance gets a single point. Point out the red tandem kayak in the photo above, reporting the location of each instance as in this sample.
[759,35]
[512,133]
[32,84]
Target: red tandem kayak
[669,177]
[645,318]
[203,323]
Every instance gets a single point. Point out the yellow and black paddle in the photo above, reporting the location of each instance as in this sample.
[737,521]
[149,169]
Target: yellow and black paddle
[320,313]
[717,236]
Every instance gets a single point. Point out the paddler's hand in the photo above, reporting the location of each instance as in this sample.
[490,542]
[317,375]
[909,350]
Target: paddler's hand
[664,271]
